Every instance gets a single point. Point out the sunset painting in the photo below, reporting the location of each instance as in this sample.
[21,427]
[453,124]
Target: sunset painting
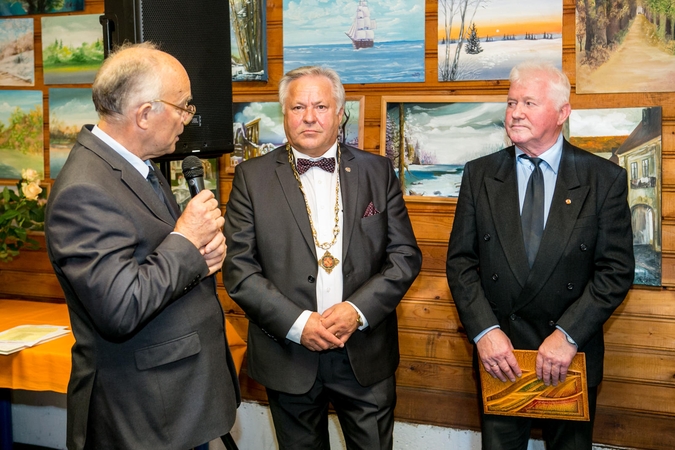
[483,40]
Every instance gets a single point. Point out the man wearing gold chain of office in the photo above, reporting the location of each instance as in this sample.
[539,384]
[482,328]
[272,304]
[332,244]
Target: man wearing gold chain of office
[320,253]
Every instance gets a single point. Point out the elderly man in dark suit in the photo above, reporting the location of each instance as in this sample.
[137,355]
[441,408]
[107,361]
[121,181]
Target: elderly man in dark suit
[540,253]
[151,366]
[320,253]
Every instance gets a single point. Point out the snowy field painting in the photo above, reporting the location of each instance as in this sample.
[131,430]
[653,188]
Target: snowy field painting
[484,39]
[17,57]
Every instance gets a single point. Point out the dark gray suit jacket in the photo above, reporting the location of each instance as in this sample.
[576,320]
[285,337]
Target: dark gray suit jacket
[585,263]
[271,265]
[151,367]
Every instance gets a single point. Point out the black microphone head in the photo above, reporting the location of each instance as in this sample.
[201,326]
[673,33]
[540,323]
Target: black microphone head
[192,167]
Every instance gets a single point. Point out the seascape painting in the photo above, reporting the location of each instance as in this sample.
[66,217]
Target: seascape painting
[17,56]
[259,128]
[69,110]
[23,7]
[429,143]
[630,137]
[72,48]
[248,40]
[21,136]
[484,40]
[624,46]
[374,41]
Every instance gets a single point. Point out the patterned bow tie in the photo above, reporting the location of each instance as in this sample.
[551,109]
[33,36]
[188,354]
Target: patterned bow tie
[303,164]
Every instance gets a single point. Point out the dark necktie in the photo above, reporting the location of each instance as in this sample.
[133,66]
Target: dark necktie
[532,217]
[303,164]
[154,181]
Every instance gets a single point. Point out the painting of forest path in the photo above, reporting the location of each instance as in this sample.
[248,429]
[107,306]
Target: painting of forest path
[484,40]
[627,48]
[72,48]
[21,137]
[17,58]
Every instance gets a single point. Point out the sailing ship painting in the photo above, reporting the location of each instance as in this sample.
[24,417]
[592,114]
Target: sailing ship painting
[248,40]
[362,32]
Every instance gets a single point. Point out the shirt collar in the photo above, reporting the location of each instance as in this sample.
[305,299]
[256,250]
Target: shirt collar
[142,166]
[551,156]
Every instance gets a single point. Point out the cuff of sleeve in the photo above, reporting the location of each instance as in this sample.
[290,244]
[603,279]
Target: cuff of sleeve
[483,333]
[569,338]
[364,321]
[295,333]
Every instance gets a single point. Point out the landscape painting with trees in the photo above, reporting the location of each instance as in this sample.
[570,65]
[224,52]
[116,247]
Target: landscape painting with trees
[21,137]
[625,46]
[72,48]
[17,57]
[484,39]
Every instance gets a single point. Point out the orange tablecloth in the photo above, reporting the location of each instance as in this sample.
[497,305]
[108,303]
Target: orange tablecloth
[46,367]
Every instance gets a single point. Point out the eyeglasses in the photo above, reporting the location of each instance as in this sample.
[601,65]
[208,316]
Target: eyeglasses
[187,112]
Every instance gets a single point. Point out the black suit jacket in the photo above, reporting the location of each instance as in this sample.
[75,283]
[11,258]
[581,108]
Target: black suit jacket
[271,265]
[585,263]
[150,366]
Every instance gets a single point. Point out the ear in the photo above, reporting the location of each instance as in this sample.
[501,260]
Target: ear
[144,115]
[564,113]
[341,114]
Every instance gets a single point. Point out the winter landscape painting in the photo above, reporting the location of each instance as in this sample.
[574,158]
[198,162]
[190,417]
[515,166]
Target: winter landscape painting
[375,41]
[69,110]
[72,48]
[248,40]
[21,137]
[625,46]
[259,127]
[630,137]
[484,39]
[430,140]
[17,58]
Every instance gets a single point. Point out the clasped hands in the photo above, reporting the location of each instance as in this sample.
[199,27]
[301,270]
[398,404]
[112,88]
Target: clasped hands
[331,329]
[554,357]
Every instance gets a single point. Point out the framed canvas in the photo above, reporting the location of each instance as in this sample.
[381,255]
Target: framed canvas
[69,110]
[430,138]
[630,137]
[248,40]
[21,133]
[17,58]
[483,40]
[374,41]
[72,48]
[20,8]
[259,127]
[179,185]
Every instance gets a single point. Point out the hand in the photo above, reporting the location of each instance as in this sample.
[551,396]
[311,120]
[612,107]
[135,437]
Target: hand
[214,253]
[341,320]
[201,220]
[554,358]
[316,337]
[496,353]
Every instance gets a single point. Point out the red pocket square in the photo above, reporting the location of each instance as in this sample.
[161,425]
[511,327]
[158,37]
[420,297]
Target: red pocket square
[370,210]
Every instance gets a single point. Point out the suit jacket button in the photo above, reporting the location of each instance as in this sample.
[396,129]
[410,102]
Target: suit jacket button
[583,247]
[551,323]
[570,286]
[311,279]
[495,277]
[486,237]
[513,317]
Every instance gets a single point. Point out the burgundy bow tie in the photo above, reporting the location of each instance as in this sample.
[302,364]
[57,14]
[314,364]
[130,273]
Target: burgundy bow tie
[303,164]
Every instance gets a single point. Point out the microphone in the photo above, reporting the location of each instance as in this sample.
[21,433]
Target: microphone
[193,171]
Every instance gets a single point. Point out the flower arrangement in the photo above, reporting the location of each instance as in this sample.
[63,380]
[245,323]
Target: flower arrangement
[20,212]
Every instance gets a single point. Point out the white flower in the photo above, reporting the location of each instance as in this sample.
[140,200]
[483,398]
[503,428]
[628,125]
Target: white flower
[31,190]
[30,175]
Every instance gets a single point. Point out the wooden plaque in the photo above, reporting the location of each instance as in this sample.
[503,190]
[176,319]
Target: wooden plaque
[530,397]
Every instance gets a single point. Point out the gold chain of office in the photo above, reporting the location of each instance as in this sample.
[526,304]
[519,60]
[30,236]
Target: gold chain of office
[327,262]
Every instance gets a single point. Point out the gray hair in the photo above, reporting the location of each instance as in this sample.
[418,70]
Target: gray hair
[126,79]
[559,84]
[305,71]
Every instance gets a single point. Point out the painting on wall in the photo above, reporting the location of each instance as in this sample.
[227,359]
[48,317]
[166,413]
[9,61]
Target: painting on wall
[72,48]
[630,137]
[20,8]
[430,139]
[69,110]
[624,46]
[375,41]
[21,136]
[259,127]
[248,40]
[483,40]
[17,56]
[179,185]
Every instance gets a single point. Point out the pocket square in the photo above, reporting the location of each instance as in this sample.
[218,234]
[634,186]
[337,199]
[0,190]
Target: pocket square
[370,210]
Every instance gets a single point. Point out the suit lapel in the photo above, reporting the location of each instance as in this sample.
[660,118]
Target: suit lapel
[349,177]
[172,204]
[568,198]
[294,197]
[502,193]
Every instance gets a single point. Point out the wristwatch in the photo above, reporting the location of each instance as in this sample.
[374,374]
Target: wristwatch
[359,320]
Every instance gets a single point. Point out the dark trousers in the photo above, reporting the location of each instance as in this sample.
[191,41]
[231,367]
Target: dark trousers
[513,433]
[366,413]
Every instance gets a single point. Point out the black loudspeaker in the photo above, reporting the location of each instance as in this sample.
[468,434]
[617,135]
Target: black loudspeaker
[197,33]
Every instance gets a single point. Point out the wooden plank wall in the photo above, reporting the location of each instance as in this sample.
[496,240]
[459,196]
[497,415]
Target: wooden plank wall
[435,380]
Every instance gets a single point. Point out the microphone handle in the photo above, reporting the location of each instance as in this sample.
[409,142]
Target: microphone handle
[196,185]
